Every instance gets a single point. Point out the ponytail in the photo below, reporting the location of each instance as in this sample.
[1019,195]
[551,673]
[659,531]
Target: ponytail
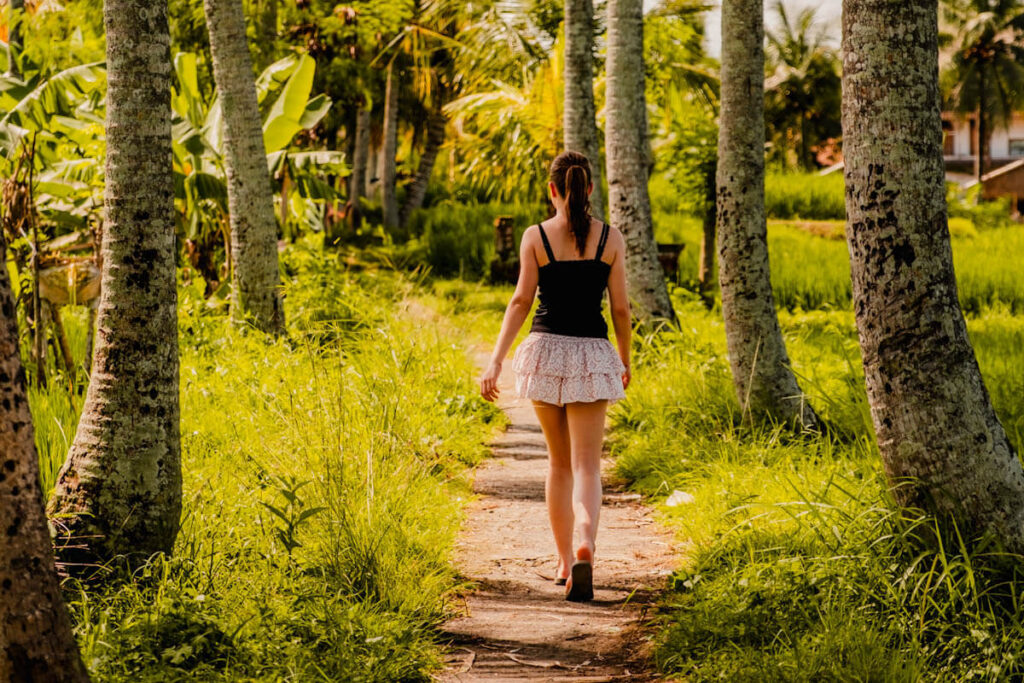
[577,203]
[570,172]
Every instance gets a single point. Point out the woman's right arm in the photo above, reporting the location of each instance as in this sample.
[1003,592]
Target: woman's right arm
[618,298]
[515,314]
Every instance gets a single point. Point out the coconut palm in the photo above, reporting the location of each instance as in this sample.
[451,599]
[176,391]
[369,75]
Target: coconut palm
[802,89]
[255,276]
[941,444]
[628,158]
[386,165]
[761,371]
[119,492]
[580,122]
[36,643]
[983,64]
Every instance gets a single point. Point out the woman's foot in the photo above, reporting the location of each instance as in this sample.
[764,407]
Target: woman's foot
[580,586]
[562,574]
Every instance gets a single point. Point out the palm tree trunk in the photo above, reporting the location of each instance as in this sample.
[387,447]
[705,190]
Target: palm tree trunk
[706,259]
[760,365]
[36,643]
[372,181]
[580,132]
[417,190]
[386,166]
[256,276]
[121,484]
[941,444]
[626,147]
[357,181]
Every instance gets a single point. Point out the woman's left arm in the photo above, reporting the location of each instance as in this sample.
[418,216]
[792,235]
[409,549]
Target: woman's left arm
[515,314]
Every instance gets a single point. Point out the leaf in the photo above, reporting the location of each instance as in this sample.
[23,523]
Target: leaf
[283,121]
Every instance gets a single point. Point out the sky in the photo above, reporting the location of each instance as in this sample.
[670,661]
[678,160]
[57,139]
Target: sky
[828,13]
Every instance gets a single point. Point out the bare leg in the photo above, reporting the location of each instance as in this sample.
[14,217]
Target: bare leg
[586,434]
[558,487]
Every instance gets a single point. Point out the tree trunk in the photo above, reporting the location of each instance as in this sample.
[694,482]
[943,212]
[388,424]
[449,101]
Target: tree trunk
[579,119]
[36,643]
[417,190]
[626,146]
[357,181]
[940,441]
[981,167]
[706,260]
[256,276]
[760,365]
[121,485]
[372,181]
[15,17]
[386,166]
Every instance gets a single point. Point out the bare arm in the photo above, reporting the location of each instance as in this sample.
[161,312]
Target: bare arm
[515,314]
[619,301]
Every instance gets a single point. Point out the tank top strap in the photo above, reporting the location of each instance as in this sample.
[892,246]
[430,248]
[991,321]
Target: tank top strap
[601,242]
[547,245]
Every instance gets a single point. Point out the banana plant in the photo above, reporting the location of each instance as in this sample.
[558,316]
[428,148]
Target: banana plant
[62,114]
[283,91]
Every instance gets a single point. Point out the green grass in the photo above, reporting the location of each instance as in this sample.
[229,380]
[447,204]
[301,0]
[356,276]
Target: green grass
[796,565]
[807,196]
[324,480]
[811,272]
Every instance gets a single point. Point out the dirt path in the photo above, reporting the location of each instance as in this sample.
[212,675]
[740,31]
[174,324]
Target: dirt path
[517,624]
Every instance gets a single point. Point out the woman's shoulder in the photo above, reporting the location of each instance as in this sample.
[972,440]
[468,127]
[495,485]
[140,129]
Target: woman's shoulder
[615,237]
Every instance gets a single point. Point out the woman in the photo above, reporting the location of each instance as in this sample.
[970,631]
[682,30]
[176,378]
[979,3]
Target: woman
[566,365]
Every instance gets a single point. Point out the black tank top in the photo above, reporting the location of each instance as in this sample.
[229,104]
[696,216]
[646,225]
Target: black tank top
[571,293]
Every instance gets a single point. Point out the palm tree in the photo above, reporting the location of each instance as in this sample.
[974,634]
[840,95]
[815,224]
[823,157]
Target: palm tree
[802,90]
[386,165]
[360,155]
[941,444]
[580,122]
[119,492]
[255,272]
[983,65]
[760,365]
[36,643]
[628,158]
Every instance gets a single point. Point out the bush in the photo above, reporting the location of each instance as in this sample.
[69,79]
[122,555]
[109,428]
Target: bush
[459,238]
[984,215]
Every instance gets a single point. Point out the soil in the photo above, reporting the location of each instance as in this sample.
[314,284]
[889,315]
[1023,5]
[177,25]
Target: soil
[516,624]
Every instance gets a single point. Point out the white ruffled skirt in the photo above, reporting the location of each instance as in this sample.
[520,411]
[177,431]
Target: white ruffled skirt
[559,369]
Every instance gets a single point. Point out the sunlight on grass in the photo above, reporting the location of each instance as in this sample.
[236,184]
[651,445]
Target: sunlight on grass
[324,480]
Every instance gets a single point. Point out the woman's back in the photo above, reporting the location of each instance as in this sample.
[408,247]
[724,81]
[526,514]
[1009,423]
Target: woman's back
[571,291]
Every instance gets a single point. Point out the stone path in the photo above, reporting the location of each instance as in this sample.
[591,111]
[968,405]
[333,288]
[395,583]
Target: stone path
[516,624]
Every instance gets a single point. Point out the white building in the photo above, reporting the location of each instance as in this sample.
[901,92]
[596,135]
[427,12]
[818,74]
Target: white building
[960,142]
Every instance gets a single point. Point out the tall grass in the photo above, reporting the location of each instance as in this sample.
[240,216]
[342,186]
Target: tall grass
[807,196]
[797,565]
[323,488]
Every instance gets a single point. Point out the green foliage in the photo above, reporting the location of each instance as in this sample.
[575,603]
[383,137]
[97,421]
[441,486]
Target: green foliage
[323,486]
[798,566]
[984,215]
[458,239]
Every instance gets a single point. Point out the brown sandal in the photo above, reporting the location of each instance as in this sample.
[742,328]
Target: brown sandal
[582,587]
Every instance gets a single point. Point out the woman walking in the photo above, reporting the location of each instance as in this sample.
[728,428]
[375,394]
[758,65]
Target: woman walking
[566,365]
